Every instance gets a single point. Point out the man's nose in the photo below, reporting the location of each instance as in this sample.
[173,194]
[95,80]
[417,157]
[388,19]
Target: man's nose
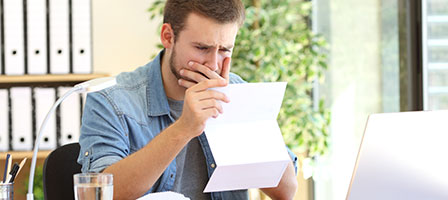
[212,61]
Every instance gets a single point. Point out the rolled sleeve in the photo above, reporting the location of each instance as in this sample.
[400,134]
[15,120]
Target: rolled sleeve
[104,138]
[293,158]
[102,163]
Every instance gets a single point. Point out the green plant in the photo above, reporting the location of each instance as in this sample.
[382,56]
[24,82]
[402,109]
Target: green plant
[276,44]
[38,189]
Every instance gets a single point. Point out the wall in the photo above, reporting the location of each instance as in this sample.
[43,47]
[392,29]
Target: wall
[124,37]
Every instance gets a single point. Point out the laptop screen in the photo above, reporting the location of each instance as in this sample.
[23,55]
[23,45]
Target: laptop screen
[402,156]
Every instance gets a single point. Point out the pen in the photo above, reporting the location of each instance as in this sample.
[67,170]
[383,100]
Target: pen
[21,166]
[13,172]
[6,168]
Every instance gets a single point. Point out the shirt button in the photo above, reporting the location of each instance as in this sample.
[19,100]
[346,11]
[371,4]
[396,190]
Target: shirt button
[86,153]
[172,175]
[213,165]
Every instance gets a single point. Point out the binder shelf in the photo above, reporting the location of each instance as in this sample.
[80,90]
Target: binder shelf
[24,102]
[46,80]
[24,154]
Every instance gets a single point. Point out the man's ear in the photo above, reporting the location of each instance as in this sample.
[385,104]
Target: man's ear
[167,36]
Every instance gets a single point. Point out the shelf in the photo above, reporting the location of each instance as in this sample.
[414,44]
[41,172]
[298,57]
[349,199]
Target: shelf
[24,154]
[438,18]
[7,81]
[437,42]
[49,78]
[438,90]
[437,66]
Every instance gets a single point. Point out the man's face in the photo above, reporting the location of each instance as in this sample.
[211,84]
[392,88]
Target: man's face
[202,41]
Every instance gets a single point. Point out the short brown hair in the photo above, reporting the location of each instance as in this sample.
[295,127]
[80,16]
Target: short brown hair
[222,11]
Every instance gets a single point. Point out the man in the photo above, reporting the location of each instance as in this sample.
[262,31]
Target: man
[148,129]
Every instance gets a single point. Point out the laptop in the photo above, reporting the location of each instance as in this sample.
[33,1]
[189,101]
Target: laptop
[402,156]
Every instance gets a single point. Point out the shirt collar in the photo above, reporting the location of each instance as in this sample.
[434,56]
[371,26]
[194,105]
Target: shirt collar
[157,100]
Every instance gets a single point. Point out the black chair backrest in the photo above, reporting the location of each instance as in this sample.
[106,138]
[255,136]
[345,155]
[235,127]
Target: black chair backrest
[59,168]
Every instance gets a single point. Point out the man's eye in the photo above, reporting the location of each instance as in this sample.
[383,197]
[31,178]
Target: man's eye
[202,48]
[225,50]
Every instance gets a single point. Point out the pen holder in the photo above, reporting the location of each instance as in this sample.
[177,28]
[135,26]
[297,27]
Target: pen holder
[6,191]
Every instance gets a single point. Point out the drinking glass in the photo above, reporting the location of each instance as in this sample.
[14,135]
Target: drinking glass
[93,186]
[6,191]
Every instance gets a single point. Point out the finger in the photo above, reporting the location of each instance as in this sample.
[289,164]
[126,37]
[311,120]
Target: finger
[226,68]
[211,104]
[210,74]
[212,94]
[212,112]
[203,85]
[186,83]
[192,75]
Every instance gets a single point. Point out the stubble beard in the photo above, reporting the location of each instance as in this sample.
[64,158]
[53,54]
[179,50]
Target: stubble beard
[173,64]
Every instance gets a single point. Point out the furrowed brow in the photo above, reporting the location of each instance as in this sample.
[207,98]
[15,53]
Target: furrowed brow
[202,44]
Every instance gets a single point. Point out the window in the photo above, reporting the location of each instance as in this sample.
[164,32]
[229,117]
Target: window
[435,54]
[367,74]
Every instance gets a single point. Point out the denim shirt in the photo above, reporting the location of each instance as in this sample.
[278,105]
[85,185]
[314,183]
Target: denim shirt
[122,119]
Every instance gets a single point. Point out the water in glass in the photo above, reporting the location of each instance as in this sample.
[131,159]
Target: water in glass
[92,191]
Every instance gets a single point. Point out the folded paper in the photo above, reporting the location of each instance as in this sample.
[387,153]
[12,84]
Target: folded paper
[246,141]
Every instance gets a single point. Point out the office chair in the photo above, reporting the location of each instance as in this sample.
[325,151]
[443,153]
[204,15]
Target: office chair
[59,168]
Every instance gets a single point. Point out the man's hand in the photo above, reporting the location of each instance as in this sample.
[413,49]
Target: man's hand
[200,104]
[196,73]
